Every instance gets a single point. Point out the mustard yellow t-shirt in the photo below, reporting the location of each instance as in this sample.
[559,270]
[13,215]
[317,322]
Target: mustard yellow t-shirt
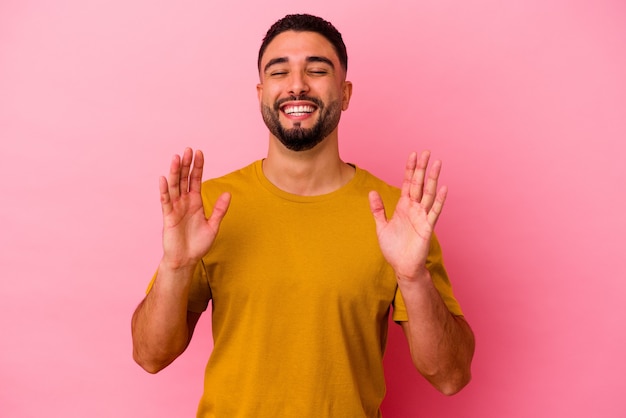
[301,295]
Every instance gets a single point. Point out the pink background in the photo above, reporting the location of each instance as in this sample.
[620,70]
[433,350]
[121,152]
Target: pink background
[525,102]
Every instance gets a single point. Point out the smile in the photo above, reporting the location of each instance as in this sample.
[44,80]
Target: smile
[298,110]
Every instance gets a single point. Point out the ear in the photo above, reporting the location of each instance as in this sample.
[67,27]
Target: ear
[259,91]
[347,93]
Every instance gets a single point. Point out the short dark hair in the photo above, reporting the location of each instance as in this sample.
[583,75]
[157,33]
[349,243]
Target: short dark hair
[307,23]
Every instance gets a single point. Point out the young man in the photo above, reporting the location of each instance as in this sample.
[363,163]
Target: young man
[299,258]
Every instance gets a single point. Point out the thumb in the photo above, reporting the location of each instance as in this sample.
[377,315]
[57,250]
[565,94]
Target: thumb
[378,208]
[219,210]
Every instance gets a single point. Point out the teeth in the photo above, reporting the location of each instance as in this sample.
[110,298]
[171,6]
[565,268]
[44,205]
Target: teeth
[299,109]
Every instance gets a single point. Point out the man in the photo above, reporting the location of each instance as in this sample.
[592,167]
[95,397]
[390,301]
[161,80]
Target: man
[299,259]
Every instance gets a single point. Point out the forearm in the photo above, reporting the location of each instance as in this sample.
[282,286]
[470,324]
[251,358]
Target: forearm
[160,328]
[441,344]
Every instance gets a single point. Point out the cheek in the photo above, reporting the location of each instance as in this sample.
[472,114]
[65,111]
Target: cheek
[270,97]
[265,92]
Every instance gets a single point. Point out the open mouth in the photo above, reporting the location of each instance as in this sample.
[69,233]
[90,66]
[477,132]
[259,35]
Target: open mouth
[298,110]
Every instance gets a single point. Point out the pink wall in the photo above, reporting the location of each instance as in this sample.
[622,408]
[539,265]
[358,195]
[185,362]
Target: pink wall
[524,102]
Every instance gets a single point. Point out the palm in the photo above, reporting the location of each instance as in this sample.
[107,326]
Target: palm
[187,233]
[405,238]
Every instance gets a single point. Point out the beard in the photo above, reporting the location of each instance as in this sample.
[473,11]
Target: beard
[299,138]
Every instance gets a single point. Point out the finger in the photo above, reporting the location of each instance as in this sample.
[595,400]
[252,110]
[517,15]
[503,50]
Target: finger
[219,210]
[435,211]
[430,188]
[185,169]
[417,181]
[378,209]
[409,170]
[166,202]
[195,179]
[174,177]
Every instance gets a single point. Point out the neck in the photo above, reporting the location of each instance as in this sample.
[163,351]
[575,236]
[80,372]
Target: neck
[307,173]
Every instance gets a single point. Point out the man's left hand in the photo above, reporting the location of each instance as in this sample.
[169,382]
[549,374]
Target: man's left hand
[405,238]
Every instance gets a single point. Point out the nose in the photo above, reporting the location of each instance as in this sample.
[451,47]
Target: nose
[298,84]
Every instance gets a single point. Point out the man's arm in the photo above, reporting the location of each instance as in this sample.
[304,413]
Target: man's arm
[441,344]
[161,325]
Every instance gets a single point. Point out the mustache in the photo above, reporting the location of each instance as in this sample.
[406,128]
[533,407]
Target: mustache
[315,100]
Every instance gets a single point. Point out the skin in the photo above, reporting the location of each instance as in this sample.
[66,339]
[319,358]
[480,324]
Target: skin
[297,64]
[295,72]
[161,325]
[441,344]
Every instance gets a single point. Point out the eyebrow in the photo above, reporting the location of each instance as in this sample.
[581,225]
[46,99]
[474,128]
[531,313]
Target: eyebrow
[314,58]
[321,59]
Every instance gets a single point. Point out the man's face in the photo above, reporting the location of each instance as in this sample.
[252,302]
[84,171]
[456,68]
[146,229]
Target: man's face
[303,89]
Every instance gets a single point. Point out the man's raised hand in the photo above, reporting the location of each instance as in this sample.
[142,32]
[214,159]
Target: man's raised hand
[187,233]
[405,238]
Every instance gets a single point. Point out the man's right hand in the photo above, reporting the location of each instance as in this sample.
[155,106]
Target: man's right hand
[187,233]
